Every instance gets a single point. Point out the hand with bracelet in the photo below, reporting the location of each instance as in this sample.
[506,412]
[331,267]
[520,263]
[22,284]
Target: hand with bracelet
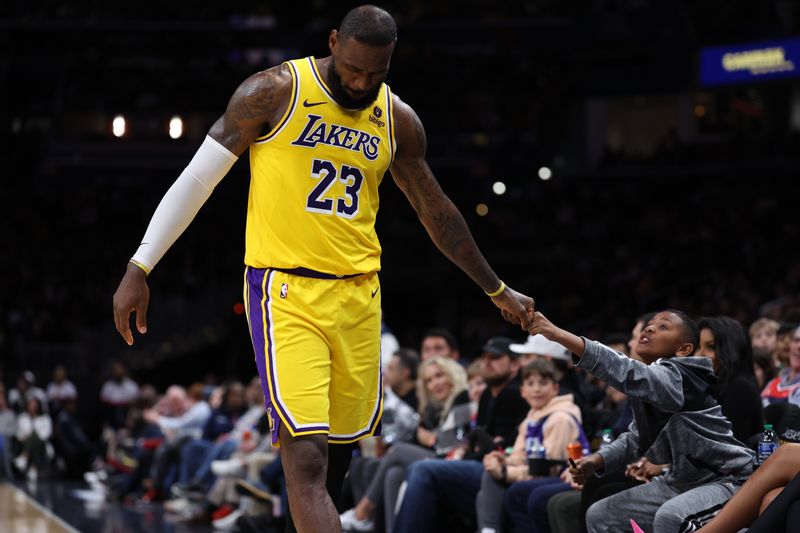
[514,307]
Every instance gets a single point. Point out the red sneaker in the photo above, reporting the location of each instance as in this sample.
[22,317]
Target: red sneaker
[222,512]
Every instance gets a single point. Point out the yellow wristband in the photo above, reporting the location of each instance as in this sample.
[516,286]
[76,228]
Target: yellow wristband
[498,292]
[140,265]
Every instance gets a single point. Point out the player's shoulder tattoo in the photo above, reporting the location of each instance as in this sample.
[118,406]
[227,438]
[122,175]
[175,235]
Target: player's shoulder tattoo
[258,95]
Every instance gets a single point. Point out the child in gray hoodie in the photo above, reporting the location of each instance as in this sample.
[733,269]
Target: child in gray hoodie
[677,421]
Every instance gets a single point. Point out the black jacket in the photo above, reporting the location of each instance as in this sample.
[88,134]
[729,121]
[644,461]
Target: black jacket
[501,416]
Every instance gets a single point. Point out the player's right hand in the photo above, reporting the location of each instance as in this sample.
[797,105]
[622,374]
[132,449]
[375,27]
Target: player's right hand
[132,295]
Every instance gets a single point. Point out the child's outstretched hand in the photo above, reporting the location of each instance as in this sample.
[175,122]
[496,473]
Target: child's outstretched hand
[541,325]
[585,467]
[568,340]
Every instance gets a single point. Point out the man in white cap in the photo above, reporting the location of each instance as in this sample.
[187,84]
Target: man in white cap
[539,346]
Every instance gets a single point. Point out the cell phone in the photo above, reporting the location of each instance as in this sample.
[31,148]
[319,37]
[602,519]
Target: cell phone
[572,463]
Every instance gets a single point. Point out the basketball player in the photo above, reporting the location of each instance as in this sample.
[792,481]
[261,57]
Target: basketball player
[321,134]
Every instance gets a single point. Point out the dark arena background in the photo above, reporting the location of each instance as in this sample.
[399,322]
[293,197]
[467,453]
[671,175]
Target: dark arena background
[611,157]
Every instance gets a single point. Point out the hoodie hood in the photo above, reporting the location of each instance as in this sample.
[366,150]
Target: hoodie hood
[560,404]
[702,367]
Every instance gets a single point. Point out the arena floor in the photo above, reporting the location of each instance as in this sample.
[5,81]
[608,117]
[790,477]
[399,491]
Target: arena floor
[68,507]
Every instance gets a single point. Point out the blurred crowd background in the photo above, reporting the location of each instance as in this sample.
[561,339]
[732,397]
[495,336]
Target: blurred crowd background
[660,191]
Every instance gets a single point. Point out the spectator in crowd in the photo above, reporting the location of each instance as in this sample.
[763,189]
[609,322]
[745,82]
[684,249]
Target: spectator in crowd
[8,428]
[786,387]
[444,405]
[445,419]
[677,421]
[553,422]
[215,444]
[764,368]
[537,347]
[72,446]
[191,414]
[436,486]
[252,449]
[34,429]
[401,376]
[783,344]
[724,341]
[769,502]
[128,455]
[398,423]
[25,390]
[764,335]
[117,395]
[60,389]
[439,343]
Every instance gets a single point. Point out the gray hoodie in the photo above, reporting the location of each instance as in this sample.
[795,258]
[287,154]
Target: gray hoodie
[676,418]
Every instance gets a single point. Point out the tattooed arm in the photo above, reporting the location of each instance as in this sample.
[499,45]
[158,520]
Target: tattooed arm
[256,105]
[443,221]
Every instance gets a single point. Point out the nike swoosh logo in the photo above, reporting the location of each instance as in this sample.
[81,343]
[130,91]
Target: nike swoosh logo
[306,103]
[376,291]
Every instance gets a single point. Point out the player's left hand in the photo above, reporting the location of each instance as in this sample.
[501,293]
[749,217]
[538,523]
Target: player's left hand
[515,307]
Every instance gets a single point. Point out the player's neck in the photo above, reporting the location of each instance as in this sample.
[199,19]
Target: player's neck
[323,67]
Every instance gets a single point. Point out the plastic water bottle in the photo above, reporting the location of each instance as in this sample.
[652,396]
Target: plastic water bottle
[607,438]
[767,444]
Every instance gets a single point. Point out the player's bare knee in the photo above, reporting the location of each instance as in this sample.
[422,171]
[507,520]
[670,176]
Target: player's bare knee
[306,458]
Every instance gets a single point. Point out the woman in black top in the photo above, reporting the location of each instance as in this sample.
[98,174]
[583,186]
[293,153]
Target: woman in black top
[725,342]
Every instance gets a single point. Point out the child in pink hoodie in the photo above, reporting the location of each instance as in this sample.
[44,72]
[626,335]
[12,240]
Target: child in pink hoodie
[553,422]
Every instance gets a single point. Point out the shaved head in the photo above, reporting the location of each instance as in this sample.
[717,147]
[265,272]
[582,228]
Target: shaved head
[369,24]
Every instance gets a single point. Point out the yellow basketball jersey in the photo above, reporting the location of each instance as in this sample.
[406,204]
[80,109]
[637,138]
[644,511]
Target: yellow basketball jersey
[314,181]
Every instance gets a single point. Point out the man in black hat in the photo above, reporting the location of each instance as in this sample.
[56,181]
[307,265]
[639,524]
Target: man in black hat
[436,484]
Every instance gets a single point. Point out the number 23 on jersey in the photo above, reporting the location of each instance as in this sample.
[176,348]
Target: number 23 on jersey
[327,174]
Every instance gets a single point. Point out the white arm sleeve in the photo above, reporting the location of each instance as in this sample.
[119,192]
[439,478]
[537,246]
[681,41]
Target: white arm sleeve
[183,200]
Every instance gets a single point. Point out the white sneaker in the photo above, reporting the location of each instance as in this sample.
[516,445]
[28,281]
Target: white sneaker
[351,523]
[226,523]
[177,505]
[227,468]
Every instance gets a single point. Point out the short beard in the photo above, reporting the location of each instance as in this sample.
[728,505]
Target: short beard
[341,96]
[494,381]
